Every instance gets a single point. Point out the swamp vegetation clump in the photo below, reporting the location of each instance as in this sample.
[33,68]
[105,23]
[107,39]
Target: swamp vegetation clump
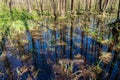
[59,39]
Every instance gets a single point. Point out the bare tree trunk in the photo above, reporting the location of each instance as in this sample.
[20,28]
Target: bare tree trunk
[54,8]
[79,5]
[100,5]
[41,6]
[10,5]
[65,5]
[37,6]
[85,5]
[63,8]
[118,13]
[106,6]
[29,6]
[6,2]
[72,5]
[72,2]
[111,6]
[90,3]
[60,7]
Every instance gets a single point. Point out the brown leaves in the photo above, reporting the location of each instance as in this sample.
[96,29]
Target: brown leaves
[106,57]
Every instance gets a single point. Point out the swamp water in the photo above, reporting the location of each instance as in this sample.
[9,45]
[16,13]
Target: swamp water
[56,51]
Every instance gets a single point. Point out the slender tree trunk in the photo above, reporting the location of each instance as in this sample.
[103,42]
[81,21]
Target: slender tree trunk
[90,3]
[85,5]
[63,8]
[29,6]
[71,38]
[79,5]
[41,6]
[60,7]
[6,2]
[10,5]
[72,2]
[54,8]
[118,13]
[107,4]
[100,5]
[111,6]
[65,5]
[37,6]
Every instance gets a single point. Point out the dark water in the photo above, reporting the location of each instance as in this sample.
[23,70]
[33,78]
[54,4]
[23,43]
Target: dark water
[49,48]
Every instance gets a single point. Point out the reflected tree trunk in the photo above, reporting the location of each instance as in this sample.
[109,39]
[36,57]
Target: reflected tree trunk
[7,64]
[71,38]
[56,52]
